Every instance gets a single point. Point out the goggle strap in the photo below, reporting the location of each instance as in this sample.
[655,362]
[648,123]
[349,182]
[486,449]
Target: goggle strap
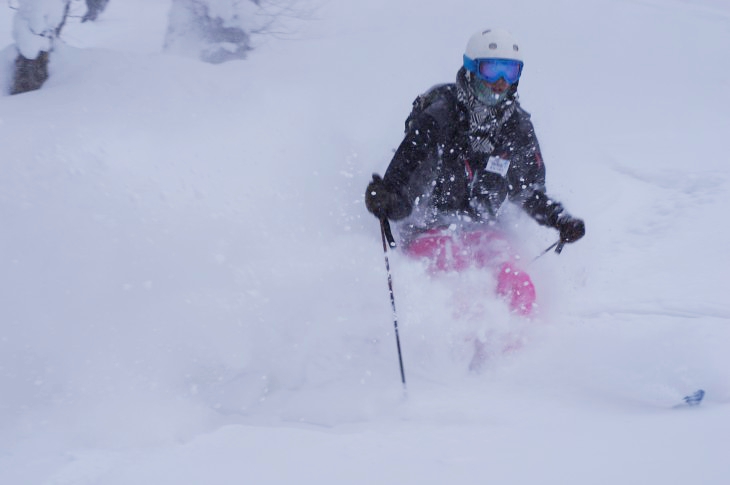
[470,64]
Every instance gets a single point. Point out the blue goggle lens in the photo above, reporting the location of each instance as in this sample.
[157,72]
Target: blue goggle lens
[491,70]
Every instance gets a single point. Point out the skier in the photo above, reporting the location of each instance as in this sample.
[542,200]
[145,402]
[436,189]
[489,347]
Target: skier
[468,147]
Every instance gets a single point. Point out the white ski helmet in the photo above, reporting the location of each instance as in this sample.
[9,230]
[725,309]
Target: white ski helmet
[493,44]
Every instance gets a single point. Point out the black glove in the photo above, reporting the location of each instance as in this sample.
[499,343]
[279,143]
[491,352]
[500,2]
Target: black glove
[382,201]
[571,228]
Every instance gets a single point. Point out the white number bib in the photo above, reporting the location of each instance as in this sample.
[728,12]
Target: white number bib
[498,165]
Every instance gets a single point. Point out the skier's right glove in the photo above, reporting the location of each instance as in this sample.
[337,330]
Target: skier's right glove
[384,202]
[571,228]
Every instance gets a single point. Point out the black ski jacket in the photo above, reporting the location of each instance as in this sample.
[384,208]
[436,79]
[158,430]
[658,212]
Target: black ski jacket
[436,169]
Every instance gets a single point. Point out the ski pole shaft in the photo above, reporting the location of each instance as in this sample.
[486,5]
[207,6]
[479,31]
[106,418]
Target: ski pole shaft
[388,240]
[558,245]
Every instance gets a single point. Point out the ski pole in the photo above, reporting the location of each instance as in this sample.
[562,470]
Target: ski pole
[558,245]
[388,240]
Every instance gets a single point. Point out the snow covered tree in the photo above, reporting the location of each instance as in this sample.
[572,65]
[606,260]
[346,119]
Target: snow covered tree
[93,9]
[36,26]
[217,31]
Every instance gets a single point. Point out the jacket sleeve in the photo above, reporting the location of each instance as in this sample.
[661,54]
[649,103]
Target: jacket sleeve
[527,179]
[542,208]
[420,142]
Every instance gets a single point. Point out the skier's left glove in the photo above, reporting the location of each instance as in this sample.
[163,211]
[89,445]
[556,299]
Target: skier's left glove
[571,228]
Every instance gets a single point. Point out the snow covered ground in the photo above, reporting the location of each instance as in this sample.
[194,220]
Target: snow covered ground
[192,291]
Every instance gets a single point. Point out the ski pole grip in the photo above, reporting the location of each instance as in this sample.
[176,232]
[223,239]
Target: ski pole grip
[385,227]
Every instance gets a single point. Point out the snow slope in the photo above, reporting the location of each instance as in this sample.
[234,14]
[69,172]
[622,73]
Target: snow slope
[192,291]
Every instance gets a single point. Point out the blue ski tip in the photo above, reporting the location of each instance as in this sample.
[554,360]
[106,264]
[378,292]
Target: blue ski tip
[694,399]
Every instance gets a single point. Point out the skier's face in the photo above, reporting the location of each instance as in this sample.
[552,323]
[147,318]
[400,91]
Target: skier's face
[488,93]
[497,87]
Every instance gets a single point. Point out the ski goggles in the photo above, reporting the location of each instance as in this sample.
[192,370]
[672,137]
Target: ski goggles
[491,70]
